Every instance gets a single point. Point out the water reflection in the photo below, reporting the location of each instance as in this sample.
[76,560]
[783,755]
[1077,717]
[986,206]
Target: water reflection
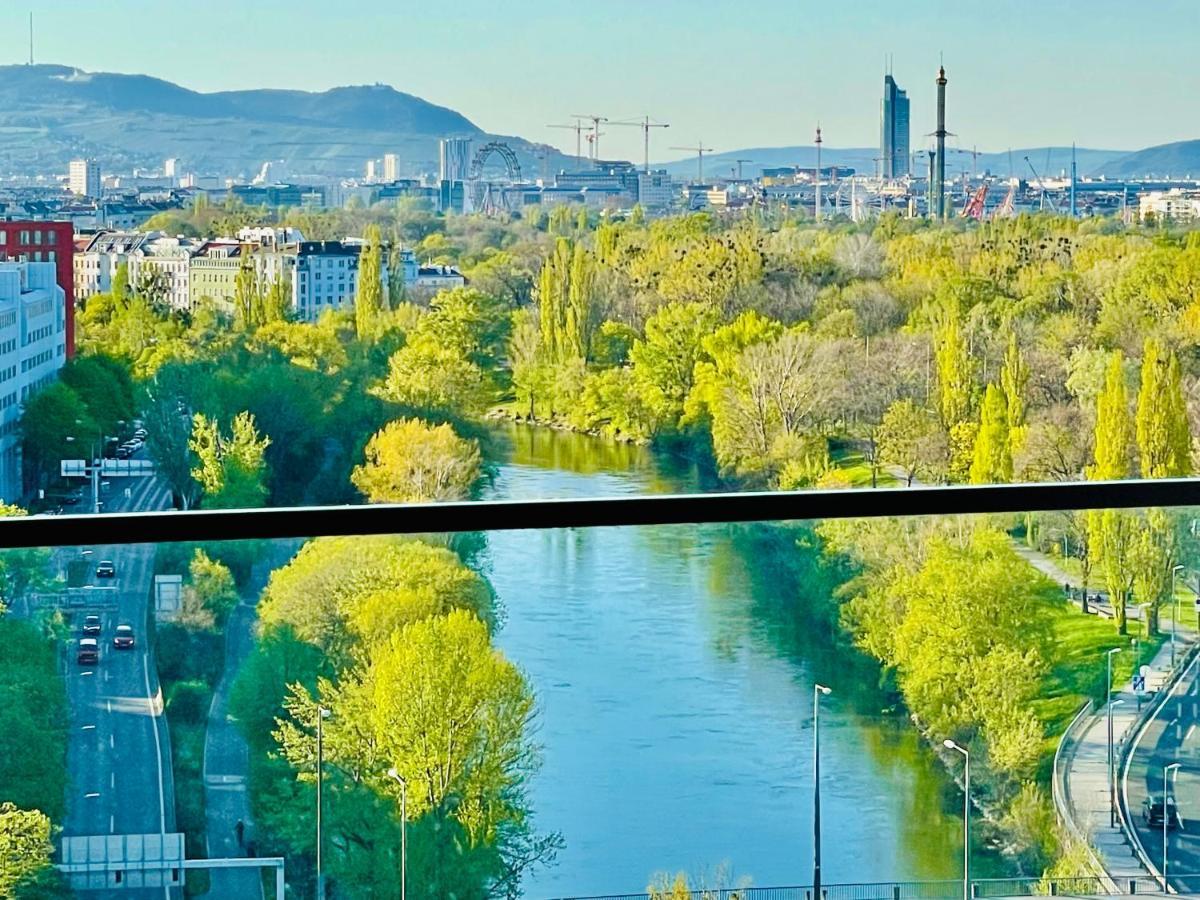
[674,668]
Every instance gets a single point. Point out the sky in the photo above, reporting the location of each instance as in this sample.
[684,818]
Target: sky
[728,73]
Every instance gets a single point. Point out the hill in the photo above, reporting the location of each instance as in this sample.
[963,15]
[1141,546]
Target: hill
[1047,160]
[1178,160]
[50,114]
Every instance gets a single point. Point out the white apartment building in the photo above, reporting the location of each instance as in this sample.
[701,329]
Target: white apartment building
[1175,205]
[170,256]
[391,167]
[33,332]
[322,274]
[97,263]
[85,178]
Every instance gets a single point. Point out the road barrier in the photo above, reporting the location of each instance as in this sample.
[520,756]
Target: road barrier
[1084,886]
[1061,791]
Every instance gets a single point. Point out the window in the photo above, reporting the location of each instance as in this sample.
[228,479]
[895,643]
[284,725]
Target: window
[51,238]
[37,238]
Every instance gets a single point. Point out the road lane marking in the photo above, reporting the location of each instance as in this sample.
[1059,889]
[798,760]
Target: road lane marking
[92,795]
[112,780]
[109,702]
[88,727]
[87,673]
[162,803]
[112,824]
[1190,732]
[112,741]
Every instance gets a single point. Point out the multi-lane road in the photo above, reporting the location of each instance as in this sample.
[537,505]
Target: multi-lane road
[1172,736]
[118,757]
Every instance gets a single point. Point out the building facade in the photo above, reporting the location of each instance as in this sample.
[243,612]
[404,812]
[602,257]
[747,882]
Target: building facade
[170,259]
[53,242]
[33,347]
[85,178]
[454,159]
[894,130]
[391,167]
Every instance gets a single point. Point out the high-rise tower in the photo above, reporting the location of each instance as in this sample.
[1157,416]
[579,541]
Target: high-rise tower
[894,130]
[939,183]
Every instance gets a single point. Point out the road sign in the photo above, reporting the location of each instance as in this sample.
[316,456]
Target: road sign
[75,468]
[1139,683]
[102,862]
[126,467]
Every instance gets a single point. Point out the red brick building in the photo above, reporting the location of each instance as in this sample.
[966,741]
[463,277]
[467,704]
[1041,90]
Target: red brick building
[45,242]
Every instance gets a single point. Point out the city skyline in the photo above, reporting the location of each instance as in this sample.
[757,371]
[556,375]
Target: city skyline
[705,82]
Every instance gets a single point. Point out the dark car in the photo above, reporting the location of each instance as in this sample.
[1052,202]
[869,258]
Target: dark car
[122,452]
[106,569]
[91,624]
[123,638]
[1152,812]
[89,651]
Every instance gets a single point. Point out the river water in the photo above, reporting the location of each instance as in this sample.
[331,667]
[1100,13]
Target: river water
[674,676]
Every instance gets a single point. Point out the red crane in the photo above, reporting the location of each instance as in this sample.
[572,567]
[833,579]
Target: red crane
[974,207]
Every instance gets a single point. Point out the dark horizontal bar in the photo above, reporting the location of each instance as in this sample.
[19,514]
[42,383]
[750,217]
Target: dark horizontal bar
[672,509]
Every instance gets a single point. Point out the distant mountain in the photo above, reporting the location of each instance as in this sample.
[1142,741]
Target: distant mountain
[1049,161]
[1178,160]
[50,114]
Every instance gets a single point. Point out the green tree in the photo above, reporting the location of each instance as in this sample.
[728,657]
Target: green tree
[664,362]
[25,848]
[955,368]
[1110,531]
[911,439]
[1014,380]
[992,462]
[231,470]
[51,416]
[368,300]
[210,594]
[1164,439]
[411,462]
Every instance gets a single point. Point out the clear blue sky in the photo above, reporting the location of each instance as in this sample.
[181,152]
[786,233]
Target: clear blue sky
[734,73]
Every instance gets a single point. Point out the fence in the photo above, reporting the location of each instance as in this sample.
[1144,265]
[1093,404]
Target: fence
[1085,886]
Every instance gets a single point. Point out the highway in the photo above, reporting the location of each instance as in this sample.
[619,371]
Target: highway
[1172,736]
[117,754]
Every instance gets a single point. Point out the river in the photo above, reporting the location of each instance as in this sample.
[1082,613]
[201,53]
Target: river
[674,676]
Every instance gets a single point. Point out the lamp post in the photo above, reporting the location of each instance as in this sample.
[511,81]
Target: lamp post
[818,690]
[322,714]
[399,779]
[950,745]
[1173,770]
[1112,801]
[1175,570]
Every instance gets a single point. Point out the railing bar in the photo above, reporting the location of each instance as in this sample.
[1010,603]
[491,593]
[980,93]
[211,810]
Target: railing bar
[506,515]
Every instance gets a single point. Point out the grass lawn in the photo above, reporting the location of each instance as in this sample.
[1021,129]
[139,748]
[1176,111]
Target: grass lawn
[1076,649]
[850,462]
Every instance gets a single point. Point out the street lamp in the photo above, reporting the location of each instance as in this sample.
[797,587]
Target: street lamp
[818,690]
[322,714]
[950,745]
[1173,769]
[1112,800]
[399,779]
[1175,617]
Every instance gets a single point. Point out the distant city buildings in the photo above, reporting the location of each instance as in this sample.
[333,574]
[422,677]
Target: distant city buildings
[1175,205]
[84,178]
[391,167]
[34,317]
[894,130]
[454,159]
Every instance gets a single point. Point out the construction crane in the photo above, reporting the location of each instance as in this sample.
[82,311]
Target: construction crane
[699,150]
[1040,184]
[578,129]
[739,166]
[1006,209]
[973,153]
[645,123]
[595,139]
[974,207]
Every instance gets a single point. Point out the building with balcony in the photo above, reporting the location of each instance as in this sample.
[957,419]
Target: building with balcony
[33,347]
[170,259]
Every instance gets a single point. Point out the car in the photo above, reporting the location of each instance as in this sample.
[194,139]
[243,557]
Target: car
[89,651]
[122,452]
[123,637]
[141,434]
[91,624]
[1152,813]
[106,569]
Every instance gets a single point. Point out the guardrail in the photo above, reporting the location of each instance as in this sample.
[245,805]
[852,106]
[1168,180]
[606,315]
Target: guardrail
[1061,792]
[1083,886]
[1128,748]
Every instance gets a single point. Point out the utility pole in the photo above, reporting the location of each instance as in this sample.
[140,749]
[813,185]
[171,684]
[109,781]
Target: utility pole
[817,180]
[31,38]
[1073,211]
[645,123]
